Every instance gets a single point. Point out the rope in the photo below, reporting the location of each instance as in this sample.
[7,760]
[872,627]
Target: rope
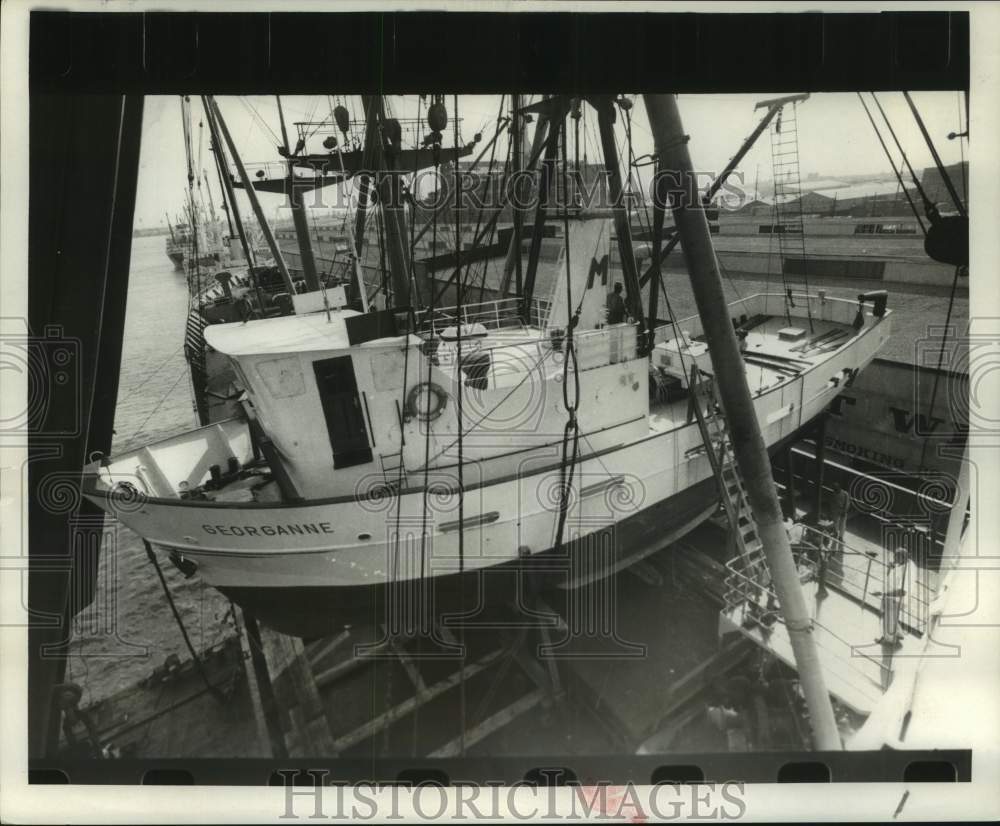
[213,689]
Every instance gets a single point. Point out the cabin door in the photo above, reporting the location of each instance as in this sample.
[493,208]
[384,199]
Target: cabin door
[343,409]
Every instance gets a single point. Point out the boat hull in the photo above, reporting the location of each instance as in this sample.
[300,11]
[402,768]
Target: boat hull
[498,594]
[336,557]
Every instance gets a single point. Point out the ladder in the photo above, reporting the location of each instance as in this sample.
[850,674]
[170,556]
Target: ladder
[748,580]
[788,202]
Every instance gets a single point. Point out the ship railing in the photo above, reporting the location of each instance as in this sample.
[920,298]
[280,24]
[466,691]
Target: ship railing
[493,315]
[749,594]
[859,575]
[496,365]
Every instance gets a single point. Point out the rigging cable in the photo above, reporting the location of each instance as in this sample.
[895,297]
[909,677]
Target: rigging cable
[929,208]
[479,214]
[428,352]
[945,177]
[461,459]
[492,224]
[212,688]
[571,432]
[487,187]
[895,169]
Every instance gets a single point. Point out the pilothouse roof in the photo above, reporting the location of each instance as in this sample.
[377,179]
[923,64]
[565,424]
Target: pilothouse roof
[286,334]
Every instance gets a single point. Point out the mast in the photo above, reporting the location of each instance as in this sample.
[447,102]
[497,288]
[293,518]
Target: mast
[229,194]
[298,210]
[252,195]
[342,119]
[392,208]
[731,383]
[512,265]
[556,109]
[605,123]
[387,186]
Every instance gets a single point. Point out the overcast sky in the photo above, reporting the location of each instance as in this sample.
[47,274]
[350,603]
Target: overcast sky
[835,137]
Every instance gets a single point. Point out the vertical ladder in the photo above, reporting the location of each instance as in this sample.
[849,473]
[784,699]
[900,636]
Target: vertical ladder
[749,580]
[788,200]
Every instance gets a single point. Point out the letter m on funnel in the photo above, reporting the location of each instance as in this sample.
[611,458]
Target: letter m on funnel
[598,268]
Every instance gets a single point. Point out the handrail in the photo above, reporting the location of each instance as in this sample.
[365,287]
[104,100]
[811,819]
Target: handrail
[746,575]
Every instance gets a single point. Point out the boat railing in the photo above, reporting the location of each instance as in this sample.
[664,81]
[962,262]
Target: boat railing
[493,315]
[859,575]
[495,365]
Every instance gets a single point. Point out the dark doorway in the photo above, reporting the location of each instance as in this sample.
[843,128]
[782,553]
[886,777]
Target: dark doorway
[345,420]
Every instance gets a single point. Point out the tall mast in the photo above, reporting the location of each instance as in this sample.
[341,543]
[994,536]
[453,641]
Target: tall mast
[252,195]
[731,383]
[229,193]
[605,123]
[298,210]
[342,119]
[387,185]
[512,265]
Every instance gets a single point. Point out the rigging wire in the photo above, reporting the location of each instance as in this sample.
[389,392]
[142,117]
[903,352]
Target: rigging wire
[963,135]
[195,658]
[488,184]
[460,386]
[929,208]
[255,115]
[492,225]
[945,177]
[895,169]
[571,431]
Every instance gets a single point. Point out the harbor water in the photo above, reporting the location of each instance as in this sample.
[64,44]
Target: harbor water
[129,629]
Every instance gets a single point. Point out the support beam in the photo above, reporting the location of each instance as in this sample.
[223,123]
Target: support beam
[731,382]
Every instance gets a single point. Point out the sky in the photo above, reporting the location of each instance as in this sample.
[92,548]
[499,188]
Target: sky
[835,137]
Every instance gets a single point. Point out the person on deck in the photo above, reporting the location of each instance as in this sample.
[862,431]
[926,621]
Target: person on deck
[840,506]
[616,306]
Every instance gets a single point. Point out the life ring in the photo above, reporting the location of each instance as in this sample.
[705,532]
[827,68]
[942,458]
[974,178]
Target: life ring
[433,409]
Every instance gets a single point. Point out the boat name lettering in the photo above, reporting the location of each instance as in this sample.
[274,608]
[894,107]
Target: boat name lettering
[268,530]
